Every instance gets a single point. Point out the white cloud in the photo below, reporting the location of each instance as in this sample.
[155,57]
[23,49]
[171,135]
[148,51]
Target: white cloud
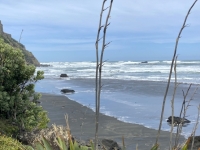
[75,22]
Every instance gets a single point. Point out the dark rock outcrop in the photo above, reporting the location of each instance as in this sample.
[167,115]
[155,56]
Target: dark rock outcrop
[29,57]
[63,75]
[110,144]
[178,120]
[67,91]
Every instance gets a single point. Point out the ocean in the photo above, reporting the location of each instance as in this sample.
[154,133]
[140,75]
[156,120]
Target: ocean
[132,91]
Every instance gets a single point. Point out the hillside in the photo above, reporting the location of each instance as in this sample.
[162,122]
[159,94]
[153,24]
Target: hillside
[30,58]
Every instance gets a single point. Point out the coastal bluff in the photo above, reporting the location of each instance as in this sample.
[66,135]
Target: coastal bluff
[29,57]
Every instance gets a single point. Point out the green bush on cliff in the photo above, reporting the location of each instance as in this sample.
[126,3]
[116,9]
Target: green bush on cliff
[6,127]
[8,143]
[17,95]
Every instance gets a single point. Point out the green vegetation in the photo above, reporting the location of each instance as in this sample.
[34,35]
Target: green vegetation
[8,143]
[58,137]
[18,109]
[6,127]
[53,138]
[29,57]
[17,95]
[44,144]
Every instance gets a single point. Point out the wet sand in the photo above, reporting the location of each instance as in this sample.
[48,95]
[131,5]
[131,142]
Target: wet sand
[82,124]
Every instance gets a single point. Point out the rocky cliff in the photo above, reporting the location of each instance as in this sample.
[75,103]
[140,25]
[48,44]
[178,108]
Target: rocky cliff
[30,58]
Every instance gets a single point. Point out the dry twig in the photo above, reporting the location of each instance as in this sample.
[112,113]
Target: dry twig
[172,103]
[99,64]
[170,74]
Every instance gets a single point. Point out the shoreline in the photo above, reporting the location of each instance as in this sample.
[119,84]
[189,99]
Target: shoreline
[82,124]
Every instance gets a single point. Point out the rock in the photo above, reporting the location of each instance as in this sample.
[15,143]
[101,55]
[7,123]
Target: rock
[110,144]
[144,62]
[177,120]
[63,75]
[67,91]
[104,144]
[45,65]
[196,145]
[37,102]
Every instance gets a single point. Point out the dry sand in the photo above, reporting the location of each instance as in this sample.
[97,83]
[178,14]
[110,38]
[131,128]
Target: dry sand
[82,124]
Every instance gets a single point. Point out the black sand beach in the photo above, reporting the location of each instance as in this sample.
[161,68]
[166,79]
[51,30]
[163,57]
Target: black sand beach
[82,124]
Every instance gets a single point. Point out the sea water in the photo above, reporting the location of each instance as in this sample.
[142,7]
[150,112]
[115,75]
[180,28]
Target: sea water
[131,91]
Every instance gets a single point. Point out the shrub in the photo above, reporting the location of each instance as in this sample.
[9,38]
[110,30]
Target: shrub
[17,95]
[8,143]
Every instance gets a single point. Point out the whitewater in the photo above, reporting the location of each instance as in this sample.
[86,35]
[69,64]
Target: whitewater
[132,91]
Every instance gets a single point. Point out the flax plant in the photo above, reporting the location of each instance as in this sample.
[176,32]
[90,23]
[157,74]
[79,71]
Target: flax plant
[172,102]
[99,63]
[185,106]
[171,68]
[195,127]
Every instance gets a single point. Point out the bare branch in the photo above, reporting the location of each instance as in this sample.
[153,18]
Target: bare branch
[187,25]
[107,24]
[104,62]
[99,64]
[183,108]
[97,90]
[172,102]
[101,27]
[99,39]
[107,44]
[170,74]
[106,27]
[106,8]
[20,36]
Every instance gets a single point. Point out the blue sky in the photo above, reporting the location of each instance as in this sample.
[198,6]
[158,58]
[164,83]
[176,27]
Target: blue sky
[58,30]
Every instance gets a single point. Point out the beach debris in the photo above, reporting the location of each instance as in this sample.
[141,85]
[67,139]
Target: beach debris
[67,91]
[178,120]
[63,75]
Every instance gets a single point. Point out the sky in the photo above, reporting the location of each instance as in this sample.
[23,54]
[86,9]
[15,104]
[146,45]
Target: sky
[66,30]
